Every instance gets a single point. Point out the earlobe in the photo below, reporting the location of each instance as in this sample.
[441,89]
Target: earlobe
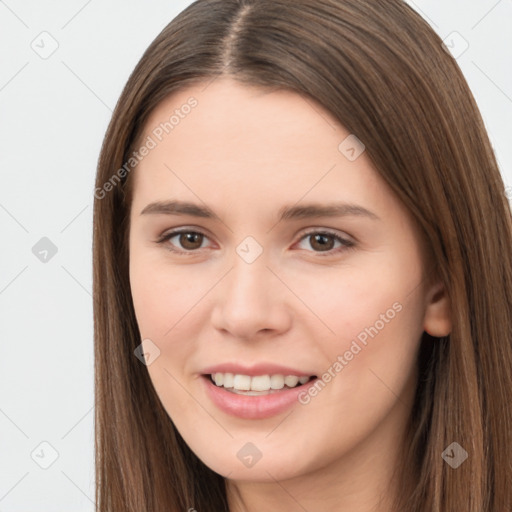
[438,322]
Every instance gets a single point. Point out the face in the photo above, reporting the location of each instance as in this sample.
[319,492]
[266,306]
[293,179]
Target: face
[292,276]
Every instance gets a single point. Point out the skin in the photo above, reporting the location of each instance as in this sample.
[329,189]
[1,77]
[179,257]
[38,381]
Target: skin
[245,153]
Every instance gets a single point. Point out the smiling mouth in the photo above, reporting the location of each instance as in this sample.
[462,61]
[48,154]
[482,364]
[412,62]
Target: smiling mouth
[258,384]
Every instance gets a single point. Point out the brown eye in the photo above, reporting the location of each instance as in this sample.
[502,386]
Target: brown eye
[325,242]
[186,241]
[322,242]
[190,240]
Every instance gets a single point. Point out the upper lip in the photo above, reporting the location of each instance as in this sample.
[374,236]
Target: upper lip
[255,369]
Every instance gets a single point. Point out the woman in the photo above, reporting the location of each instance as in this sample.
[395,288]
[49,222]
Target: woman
[302,270]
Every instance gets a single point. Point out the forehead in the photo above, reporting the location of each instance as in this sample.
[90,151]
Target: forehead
[225,134]
[228,117]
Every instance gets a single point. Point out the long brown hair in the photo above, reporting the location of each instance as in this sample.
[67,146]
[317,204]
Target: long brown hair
[384,74]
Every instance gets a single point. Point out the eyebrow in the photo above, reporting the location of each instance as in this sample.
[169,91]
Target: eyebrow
[293,212]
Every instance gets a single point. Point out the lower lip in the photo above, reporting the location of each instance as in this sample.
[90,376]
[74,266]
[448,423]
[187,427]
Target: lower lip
[253,407]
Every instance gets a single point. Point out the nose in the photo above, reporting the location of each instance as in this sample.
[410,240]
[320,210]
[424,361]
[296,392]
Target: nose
[251,302]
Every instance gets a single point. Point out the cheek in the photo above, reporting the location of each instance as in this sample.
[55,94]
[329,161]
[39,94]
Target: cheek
[164,307]
[165,303]
[374,324]
[162,295]
[357,301]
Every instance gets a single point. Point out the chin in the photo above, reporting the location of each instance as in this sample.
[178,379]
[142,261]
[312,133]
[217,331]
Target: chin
[264,469]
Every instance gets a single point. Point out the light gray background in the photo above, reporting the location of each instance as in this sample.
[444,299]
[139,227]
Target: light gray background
[54,110]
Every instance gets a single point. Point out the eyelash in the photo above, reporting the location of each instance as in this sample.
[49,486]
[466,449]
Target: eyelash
[346,244]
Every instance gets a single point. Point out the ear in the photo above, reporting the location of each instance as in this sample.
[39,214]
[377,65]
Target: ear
[437,321]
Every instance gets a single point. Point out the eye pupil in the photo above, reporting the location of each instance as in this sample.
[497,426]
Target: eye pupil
[187,240]
[321,238]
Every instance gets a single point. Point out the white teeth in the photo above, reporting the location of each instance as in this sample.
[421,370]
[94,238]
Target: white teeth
[228,380]
[258,383]
[277,382]
[242,382]
[291,380]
